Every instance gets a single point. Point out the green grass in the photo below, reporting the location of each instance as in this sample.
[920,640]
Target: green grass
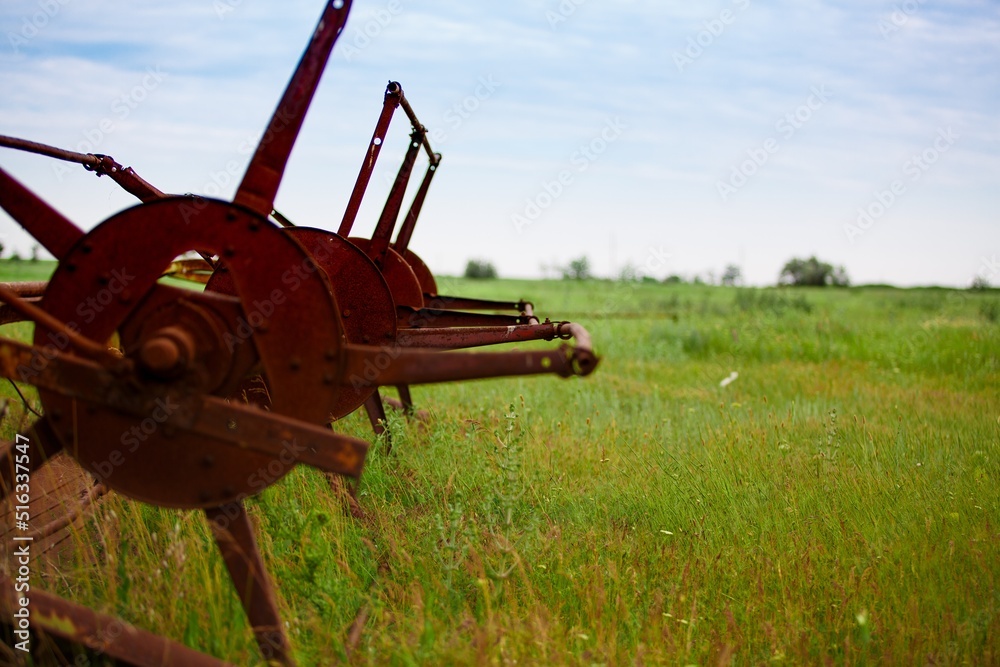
[837,503]
[26,270]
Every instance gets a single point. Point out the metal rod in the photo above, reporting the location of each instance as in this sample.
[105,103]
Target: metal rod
[409,317]
[393,94]
[455,338]
[39,316]
[52,615]
[27,290]
[263,177]
[406,230]
[393,203]
[418,128]
[86,159]
[466,303]
[49,227]
[102,165]
[234,536]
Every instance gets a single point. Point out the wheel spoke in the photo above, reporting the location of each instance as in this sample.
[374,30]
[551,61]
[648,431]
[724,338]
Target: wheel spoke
[263,177]
[47,225]
[234,536]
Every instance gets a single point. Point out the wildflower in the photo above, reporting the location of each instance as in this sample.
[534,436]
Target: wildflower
[727,380]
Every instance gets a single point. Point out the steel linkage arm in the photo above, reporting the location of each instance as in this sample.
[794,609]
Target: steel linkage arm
[393,95]
[396,365]
[456,338]
[415,318]
[102,165]
[382,235]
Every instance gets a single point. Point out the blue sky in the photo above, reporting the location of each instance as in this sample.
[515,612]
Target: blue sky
[675,138]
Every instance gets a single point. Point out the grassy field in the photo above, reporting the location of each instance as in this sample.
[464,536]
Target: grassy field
[836,502]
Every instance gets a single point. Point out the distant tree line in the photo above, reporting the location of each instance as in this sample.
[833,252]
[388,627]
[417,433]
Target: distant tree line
[797,272]
[15,256]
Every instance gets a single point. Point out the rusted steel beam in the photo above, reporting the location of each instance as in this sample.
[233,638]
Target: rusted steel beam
[102,165]
[100,633]
[393,94]
[465,303]
[420,130]
[406,230]
[49,227]
[260,183]
[26,289]
[413,318]
[456,338]
[390,212]
[414,366]
[234,537]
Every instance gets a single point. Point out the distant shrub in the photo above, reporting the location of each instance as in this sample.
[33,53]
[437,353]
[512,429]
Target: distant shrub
[732,275]
[577,269]
[480,269]
[979,284]
[812,273]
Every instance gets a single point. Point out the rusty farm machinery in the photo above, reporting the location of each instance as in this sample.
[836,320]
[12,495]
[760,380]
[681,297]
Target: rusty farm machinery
[293,329]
